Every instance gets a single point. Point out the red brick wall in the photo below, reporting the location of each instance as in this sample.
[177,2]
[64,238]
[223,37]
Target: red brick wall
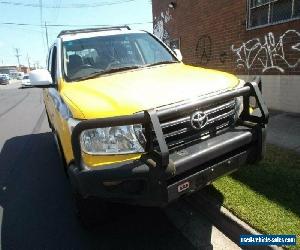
[214,26]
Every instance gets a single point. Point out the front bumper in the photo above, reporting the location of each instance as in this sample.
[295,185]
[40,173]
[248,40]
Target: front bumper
[189,170]
[160,176]
[4,82]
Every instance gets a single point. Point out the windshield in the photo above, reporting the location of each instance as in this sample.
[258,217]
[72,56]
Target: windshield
[105,54]
[26,77]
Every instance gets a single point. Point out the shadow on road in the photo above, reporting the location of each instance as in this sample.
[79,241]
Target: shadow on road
[38,210]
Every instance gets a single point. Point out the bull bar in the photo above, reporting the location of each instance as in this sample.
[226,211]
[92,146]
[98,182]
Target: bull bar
[164,165]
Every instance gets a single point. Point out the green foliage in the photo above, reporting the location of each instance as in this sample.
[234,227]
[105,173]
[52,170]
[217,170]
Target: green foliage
[266,195]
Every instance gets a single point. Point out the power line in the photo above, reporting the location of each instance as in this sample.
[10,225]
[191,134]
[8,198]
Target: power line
[68,6]
[70,25]
[22,29]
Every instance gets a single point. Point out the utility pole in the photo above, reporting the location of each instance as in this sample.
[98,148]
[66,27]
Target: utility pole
[47,35]
[18,56]
[28,62]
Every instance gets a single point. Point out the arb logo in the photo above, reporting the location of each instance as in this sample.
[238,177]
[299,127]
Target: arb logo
[183,186]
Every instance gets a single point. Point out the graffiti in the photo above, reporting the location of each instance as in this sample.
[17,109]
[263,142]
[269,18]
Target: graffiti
[175,44]
[203,49]
[160,31]
[269,52]
[159,28]
[223,57]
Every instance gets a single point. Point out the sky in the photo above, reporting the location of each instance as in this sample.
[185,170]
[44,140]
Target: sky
[30,40]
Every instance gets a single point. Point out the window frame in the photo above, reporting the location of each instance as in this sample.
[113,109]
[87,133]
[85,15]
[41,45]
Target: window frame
[49,59]
[52,63]
[248,11]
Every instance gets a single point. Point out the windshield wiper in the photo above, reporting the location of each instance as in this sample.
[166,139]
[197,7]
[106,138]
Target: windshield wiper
[103,72]
[113,70]
[92,75]
[162,62]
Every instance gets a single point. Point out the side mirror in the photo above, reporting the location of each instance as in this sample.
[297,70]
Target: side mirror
[40,78]
[178,54]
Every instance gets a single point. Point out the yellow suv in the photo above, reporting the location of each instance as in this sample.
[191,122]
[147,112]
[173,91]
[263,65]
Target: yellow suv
[134,124]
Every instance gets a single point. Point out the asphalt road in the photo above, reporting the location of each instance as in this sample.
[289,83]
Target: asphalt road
[36,203]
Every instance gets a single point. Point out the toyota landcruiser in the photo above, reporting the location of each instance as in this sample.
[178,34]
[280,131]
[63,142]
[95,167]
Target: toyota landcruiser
[134,124]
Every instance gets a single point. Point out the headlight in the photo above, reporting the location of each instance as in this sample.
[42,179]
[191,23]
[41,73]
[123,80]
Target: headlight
[239,102]
[113,140]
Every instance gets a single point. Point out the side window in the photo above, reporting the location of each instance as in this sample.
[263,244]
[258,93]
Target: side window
[267,12]
[53,64]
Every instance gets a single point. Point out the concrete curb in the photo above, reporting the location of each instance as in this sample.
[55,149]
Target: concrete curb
[223,219]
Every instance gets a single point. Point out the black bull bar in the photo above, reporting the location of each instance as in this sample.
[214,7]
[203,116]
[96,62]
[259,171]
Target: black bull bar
[151,120]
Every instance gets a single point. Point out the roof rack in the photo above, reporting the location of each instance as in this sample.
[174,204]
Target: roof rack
[65,32]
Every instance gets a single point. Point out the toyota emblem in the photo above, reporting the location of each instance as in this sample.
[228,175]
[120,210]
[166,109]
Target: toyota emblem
[198,120]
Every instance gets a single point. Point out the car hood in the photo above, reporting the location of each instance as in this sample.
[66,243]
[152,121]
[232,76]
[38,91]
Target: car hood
[128,92]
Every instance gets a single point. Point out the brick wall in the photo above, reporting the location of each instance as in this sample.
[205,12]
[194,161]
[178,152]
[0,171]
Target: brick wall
[212,34]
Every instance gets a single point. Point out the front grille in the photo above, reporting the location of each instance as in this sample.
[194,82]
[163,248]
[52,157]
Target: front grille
[179,131]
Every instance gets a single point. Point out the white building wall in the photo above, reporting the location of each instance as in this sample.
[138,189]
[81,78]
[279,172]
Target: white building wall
[281,92]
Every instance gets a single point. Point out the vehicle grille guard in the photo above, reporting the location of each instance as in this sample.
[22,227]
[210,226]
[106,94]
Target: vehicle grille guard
[151,120]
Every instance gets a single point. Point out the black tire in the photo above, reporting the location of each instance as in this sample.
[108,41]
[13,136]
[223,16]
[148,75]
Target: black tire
[91,212]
